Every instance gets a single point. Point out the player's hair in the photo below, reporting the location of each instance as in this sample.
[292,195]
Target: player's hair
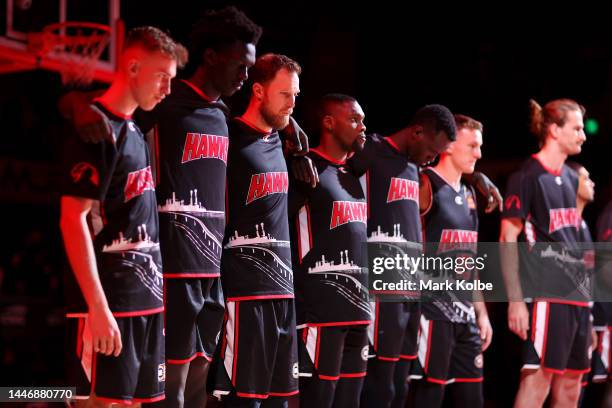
[332,99]
[153,39]
[437,118]
[465,122]
[221,28]
[553,112]
[266,67]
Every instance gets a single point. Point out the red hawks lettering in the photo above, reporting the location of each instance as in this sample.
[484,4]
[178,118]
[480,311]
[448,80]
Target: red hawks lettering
[348,211]
[263,184]
[138,182]
[455,239]
[201,146]
[563,218]
[403,189]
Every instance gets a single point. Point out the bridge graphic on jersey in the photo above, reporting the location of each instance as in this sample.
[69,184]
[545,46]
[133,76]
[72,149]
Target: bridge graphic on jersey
[134,257]
[397,244]
[189,218]
[258,252]
[344,281]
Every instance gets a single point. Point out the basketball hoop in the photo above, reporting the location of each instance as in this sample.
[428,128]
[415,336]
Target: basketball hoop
[77,44]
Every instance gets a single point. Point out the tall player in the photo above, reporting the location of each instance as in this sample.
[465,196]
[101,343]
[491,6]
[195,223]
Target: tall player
[116,326]
[454,330]
[389,166]
[259,349]
[191,144]
[604,270]
[328,225]
[540,206]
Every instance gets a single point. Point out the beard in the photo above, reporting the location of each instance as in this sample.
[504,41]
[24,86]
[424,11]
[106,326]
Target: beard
[274,120]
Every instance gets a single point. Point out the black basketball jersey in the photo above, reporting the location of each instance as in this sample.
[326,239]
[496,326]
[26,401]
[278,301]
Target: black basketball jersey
[450,230]
[123,219]
[602,311]
[256,259]
[328,232]
[391,184]
[192,142]
[546,201]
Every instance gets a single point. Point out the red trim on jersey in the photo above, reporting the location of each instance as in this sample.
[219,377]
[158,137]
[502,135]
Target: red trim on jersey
[564,302]
[316,362]
[356,323]
[367,175]
[534,319]
[388,358]
[198,91]
[309,225]
[584,384]
[226,205]
[583,371]
[190,359]
[353,375]
[468,380]
[408,356]
[428,346]
[376,317]
[436,381]
[113,111]
[548,169]
[305,334]
[552,370]
[133,400]
[235,356]
[224,337]
[246,395]
[329,377]
[165,297]
[327,157]
[299,237]
[191,275]
[264,133]
[79,345]
[391,142]
[545,333]
[283,394]
[157,162]
[102,215]
[241,298]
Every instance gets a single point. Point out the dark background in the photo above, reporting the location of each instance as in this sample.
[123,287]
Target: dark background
[393,58]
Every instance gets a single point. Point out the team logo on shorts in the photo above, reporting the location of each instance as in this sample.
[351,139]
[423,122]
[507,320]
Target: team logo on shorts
[295,372]
[161,372]
[478,361]
[132,126]
[364,353]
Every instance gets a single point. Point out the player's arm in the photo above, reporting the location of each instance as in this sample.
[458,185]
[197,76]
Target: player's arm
[518,316]
[425,194]
[79,248]
[482,320]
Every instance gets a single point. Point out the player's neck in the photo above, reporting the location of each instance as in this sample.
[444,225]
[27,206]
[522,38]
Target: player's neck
[331,148]
[119,99]
[551,157]
[580,204]
[399,140]
[253,115]
[449,173]
[201,81]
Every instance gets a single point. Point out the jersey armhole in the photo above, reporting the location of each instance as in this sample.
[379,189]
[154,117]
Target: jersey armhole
[425,194]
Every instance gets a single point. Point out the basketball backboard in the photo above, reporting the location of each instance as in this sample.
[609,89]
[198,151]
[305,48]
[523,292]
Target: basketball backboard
[25,18]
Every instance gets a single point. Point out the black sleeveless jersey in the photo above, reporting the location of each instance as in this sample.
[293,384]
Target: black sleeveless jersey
[328,232]
[256,261]
[123,219]
[450,230]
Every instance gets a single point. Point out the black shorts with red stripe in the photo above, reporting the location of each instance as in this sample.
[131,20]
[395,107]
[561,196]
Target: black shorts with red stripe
[559,338]
[448,352]
[258,350]
[193,318]
[394,331]
[138,374]
[333,352]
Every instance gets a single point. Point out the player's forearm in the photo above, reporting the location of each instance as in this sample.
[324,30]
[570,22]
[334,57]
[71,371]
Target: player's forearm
[510,267]
[479,305]
[82,259]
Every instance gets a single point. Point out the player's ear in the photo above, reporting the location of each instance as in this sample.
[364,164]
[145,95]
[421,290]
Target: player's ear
[258,91]
[133,66]
[554,130]
[210,56]
[418,132]
[328,122]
